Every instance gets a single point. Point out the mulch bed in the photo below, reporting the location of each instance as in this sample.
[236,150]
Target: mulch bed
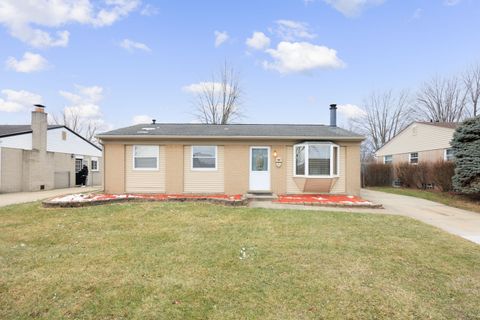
[82,200]
[327,200]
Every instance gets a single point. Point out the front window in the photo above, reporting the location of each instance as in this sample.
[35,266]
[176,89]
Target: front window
[414,158]
[94,165]
[449,155]
[316,159]
[204,157]
[145,157]
[388,159]
[300,160]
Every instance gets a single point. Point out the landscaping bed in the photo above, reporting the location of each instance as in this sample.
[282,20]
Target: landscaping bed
[82,200]
[327,200]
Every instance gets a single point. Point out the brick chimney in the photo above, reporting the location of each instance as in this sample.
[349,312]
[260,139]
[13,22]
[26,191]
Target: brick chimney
[39,128]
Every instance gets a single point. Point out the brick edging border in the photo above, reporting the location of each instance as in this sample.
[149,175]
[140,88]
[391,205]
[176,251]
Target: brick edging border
[79,204]
[335,205]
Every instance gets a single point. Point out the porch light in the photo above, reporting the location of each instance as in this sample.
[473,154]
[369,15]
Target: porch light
[274,153]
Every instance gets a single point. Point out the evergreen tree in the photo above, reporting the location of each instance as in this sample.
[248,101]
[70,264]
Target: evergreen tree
[466,146]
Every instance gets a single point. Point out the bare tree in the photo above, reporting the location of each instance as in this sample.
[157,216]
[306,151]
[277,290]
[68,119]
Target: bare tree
[219,101]
[87,128]
[471,79]
[385,115]
[442,100]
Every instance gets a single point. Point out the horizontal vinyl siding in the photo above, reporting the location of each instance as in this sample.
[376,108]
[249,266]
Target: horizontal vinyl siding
[339,185]
[145,181]
[203,181]
[427,137]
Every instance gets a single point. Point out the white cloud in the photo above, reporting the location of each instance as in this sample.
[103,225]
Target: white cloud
[27,20]
[220,38]
[141,119]
[291,57]
[202,86]
[417,14]
[30,62]
[451,2]
[258,41]
[350,111]
[131,45]
[17,101]
[351,8]
[149,10]
[84,103]
[289,30]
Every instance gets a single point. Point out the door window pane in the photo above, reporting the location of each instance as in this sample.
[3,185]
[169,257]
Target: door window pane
[259,159]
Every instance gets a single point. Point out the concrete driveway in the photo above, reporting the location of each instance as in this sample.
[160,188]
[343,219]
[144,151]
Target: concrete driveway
[23,197]
[465,224]
[460,222]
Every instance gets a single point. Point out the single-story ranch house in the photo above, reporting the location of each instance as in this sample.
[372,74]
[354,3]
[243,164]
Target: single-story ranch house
[232,159]
[39,156]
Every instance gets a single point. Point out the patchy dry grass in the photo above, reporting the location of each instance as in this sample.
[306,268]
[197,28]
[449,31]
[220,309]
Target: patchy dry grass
[198,261]
[449,199]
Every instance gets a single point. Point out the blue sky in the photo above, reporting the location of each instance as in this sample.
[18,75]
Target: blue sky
[114,60]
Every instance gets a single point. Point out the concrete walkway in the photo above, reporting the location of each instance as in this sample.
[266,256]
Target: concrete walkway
[465,224]
[23,197]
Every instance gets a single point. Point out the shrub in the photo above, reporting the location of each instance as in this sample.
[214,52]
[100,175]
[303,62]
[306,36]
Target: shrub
[406,173]
[442,173]
[422,175]
[466,147]
[378,175]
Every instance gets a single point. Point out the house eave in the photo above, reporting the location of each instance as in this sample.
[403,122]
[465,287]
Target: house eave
[186,137]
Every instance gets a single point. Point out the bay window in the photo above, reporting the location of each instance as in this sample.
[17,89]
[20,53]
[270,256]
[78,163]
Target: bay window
[316,159]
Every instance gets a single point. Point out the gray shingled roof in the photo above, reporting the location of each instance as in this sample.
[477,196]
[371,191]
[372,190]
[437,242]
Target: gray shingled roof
[14,129]
[449,125]
[313,131]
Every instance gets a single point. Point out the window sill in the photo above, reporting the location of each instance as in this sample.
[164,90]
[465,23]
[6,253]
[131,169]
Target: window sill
[317,177]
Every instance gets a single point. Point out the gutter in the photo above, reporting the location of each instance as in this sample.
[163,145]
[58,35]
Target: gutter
[153,137]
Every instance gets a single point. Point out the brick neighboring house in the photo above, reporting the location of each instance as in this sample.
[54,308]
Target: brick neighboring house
[42,157]
[419,142]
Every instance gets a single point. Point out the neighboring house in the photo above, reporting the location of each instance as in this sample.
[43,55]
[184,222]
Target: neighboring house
[232,159]
[42,157]
[419,142]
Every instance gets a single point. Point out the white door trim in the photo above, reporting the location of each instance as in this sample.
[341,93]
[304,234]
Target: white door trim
[267,174]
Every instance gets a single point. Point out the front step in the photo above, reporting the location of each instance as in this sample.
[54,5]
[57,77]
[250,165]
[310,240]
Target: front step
[261,196]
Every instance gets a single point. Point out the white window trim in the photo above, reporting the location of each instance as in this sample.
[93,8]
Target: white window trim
[204,169]
[384,158]
[96,160]
[445,155]
[306,175]
[410,158]
[145,169]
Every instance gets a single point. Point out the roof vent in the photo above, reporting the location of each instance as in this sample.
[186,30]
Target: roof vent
[154,121]
[333,115]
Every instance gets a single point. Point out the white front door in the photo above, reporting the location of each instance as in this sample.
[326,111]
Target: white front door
[259,169]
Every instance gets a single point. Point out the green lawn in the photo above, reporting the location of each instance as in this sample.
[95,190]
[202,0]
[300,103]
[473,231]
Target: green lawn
[449,199]
[199,261]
